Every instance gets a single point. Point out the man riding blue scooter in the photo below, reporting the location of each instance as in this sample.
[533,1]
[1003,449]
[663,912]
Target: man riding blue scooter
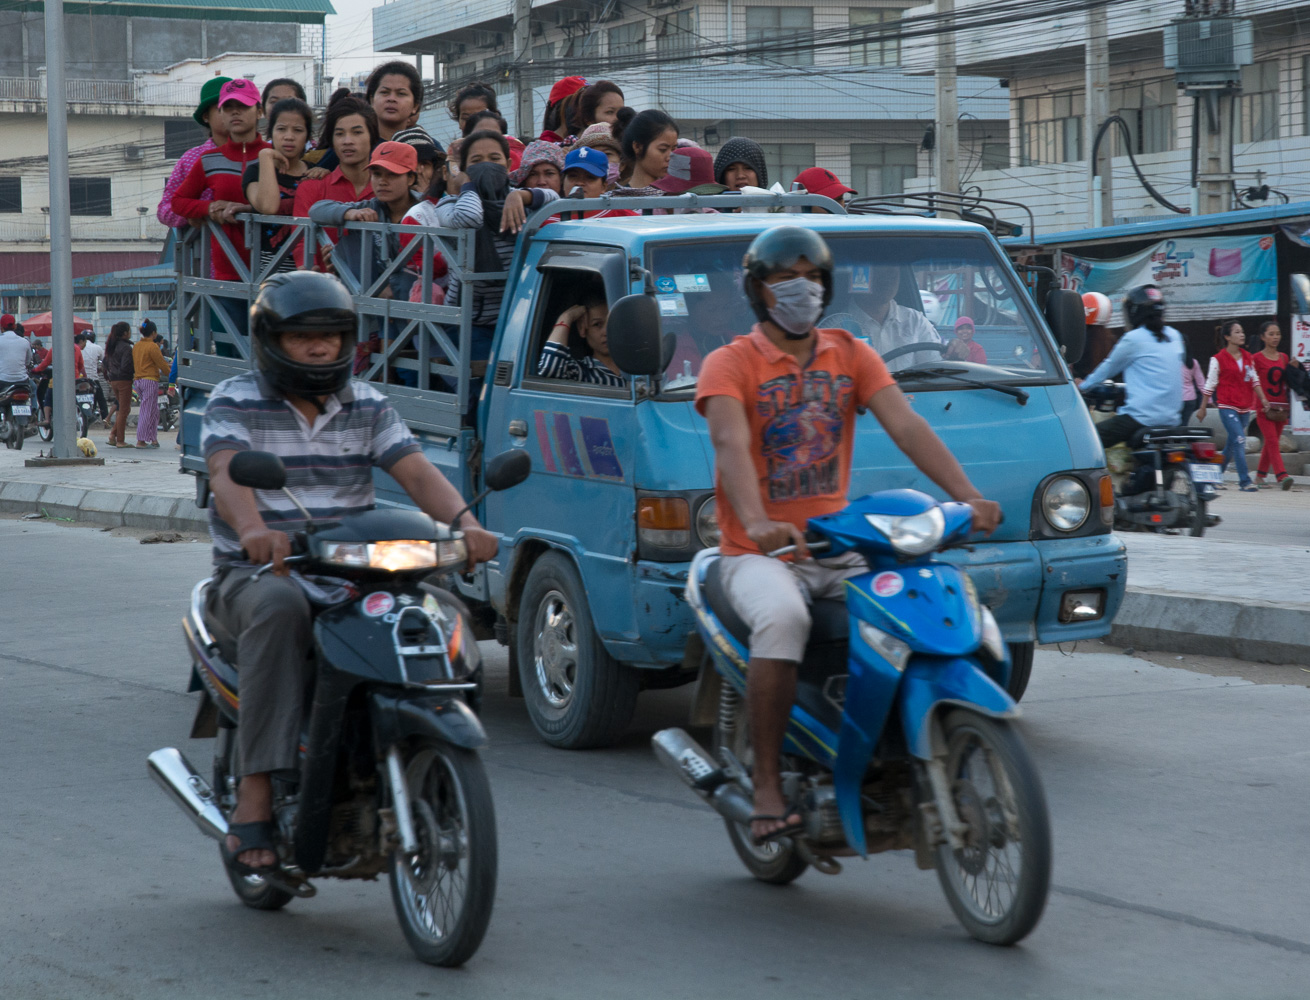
[781,404]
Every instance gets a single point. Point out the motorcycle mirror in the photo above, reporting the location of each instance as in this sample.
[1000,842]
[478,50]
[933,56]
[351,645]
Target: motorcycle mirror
[259,470]
[508,469]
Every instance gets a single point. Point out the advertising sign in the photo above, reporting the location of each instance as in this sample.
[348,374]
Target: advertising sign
[1206,278]
[1300,350]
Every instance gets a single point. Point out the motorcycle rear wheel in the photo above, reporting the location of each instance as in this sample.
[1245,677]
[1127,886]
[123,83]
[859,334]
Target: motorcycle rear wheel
[255,891]
[777,862]
[444,894]
[998,883]
[1185,488]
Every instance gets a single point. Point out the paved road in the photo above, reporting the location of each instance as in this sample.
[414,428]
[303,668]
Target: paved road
[1178,803]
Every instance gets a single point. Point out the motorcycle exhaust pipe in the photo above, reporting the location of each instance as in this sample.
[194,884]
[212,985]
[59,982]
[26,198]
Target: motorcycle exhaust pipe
[175,775]
[676,750]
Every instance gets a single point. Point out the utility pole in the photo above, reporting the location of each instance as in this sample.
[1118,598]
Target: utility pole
[946,149]
[1100,173]
[1212,121]
[61,234]
[522,46]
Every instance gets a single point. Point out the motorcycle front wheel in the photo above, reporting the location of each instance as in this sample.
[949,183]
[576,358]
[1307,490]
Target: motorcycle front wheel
[997,883]
[776,862]
[443,894]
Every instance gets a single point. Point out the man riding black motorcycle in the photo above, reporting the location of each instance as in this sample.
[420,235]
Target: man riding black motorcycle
[1150,355]
[301,404]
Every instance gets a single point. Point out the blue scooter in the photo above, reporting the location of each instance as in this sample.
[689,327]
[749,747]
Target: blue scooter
[900,736]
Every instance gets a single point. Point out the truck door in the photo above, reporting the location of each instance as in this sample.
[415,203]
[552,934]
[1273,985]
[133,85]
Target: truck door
[579,496]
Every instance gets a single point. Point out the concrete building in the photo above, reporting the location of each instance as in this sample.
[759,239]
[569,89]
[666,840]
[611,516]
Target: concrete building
[847,107]
[1040,65]
[133,85]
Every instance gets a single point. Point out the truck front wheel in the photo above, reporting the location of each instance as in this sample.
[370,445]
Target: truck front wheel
[578,696]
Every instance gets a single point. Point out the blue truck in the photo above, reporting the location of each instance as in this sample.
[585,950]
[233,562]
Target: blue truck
[587,588]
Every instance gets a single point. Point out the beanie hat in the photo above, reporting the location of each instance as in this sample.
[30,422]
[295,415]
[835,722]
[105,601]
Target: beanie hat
[536,152]
[600,136]
[741,150]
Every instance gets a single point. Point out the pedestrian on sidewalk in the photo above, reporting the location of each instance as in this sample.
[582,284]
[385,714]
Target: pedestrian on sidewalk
[119,369]
[1235,388]
[149,366]
[1270,365]
[1193,385]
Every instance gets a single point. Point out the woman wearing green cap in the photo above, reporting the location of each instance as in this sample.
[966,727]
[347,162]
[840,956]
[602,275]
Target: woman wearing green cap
[206,117]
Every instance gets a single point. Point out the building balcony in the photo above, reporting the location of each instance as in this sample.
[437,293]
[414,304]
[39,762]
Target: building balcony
[27,95]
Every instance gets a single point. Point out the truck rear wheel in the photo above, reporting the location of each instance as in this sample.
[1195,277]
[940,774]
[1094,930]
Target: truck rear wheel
[578,696]
[1021,668]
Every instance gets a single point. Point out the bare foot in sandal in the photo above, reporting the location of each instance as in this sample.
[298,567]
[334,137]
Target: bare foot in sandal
[254,804]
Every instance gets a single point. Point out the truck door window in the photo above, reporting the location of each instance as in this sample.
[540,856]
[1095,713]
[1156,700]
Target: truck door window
[570,363]
[956,299]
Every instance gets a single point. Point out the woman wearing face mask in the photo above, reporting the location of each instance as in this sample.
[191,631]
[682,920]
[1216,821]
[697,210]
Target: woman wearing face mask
[648,142]
[541,166]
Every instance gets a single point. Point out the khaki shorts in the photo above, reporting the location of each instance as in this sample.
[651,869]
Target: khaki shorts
[773,597]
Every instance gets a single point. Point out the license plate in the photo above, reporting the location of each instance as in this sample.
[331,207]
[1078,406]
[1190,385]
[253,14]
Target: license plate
[1206,474]
[86,397]
[21,410]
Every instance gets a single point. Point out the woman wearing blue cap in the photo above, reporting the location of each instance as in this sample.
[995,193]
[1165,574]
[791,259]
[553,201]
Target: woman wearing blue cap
[586,169]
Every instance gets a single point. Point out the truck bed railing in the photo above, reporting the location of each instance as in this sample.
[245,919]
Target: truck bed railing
[426,344]
[969,207]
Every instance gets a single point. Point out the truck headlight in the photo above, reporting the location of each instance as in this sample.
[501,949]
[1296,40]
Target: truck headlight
[913,535]
[1065,503]
[707,523]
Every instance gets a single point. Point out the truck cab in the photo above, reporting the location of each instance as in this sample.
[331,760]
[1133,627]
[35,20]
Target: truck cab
[587,587]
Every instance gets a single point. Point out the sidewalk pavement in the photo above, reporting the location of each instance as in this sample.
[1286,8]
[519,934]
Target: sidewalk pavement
[1213,595]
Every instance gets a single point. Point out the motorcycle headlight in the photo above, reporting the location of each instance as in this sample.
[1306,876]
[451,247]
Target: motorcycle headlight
[1065,503]
[707,523]
[396,555]
[913,535]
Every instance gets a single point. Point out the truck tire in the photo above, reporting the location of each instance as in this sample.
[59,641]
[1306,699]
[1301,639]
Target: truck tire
[578,696]
[1021,668]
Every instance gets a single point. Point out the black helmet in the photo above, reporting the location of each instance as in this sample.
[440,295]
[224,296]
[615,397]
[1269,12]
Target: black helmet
[780,248]
[308,301]
[1144,306]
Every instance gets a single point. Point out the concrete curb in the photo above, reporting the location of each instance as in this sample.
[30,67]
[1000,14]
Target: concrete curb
[112,508]
[1260,632]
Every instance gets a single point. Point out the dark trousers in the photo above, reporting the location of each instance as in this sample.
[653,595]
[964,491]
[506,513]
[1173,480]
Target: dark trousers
[271,619]
[1116,429]
[122,389]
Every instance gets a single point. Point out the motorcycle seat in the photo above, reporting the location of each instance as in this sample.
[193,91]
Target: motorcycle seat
[829,619]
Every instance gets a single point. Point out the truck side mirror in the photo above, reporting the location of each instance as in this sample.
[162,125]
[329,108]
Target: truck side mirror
[1064,314]
[637,341]
[1298,287]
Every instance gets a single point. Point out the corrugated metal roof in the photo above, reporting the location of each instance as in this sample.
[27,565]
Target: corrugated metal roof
[297,11]
[1242,218]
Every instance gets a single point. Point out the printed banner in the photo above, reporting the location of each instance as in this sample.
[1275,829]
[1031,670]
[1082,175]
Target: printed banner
[1207,278]
[1300,350]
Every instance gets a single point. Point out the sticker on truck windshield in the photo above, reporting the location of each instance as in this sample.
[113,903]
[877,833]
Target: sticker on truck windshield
[860,278]
[672,305]
[665,284]
[692,282]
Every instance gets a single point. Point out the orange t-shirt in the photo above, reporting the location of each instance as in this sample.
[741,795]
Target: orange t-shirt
[802,422]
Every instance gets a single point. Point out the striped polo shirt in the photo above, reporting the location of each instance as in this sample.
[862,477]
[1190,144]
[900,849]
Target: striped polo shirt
[329,462]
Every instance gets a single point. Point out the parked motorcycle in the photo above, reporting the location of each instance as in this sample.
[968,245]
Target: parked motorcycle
[170,408]
[84,403]
[900,738]
[1173,475]
[15,413]
[390,778]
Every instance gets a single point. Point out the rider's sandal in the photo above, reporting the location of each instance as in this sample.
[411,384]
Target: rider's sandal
[790,830]
[256,836]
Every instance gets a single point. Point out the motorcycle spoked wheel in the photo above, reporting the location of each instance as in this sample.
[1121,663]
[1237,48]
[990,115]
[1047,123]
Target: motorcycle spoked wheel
[777,862]
[45,431]
[1182,485]
[255,891]
[443,894]
[998,882]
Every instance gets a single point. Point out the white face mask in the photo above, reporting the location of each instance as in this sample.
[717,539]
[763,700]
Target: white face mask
[798,306]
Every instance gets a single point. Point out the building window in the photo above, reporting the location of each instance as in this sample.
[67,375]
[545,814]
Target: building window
[11,194]
[675,34]
[881,51]
[628,40]
[1051,128]
[90,195]
[883,167]
[180,135]
[1148,108]
[784,160]
[770,24]
[995,156]
[1257,104]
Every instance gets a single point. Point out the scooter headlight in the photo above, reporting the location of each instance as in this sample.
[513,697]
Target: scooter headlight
[895,651]
[396,555]
[914,535]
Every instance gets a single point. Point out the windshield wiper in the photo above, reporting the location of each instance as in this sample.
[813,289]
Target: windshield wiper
[957,374]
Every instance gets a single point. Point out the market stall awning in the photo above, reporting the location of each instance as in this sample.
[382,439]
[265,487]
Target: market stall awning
[297,11]
[39,325]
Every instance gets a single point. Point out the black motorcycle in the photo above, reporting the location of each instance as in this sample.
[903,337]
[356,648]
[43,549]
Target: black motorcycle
[390,779]
[15,413]
[1173,474]
[84,403]
[170,407]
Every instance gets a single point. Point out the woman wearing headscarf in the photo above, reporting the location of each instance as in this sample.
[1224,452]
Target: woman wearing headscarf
[541,167]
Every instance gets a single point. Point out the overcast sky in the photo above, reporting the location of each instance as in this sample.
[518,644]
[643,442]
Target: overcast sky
[350,37]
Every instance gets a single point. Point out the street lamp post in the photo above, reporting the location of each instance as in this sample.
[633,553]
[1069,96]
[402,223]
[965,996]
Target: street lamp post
[61,234]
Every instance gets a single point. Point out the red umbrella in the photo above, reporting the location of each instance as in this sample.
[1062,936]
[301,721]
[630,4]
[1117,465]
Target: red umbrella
[39,325]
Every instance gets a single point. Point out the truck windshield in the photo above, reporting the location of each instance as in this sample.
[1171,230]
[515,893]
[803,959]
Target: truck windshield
[927,304]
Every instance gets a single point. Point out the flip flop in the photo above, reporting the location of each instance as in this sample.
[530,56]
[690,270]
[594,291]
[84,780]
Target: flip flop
[790,830]
[256,836]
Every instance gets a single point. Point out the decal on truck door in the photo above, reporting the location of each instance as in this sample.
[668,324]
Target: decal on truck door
[586,451]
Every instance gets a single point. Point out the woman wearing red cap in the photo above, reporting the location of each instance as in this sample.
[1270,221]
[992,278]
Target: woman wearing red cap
[817,180]
[555,124]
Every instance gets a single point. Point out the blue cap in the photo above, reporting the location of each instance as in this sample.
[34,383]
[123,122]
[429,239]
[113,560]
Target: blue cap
[588,158]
